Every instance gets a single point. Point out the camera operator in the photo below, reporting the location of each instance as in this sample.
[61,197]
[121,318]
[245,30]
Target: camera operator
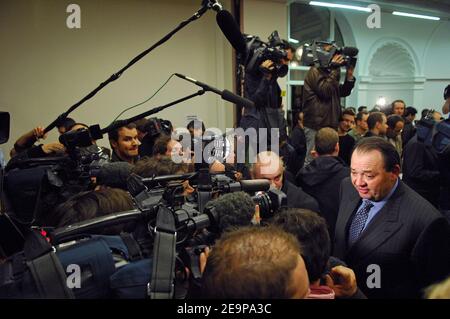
[262,88]
[321,97]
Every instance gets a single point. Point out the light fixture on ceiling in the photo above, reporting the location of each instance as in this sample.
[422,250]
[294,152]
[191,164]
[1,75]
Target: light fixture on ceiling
[339,6]
[295,41]
[412,15]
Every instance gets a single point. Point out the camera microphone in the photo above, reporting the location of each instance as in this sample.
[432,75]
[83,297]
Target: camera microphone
[231,30]
[225,94]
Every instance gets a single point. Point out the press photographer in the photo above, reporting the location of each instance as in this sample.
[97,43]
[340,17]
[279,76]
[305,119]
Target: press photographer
[322,91]
[266,63]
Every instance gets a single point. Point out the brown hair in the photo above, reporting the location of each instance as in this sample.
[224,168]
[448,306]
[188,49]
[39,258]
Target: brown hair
[251,263]
[326,140]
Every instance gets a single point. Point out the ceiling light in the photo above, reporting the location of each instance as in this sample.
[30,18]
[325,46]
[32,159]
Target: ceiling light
[397,13]
[340,6]
[295,41]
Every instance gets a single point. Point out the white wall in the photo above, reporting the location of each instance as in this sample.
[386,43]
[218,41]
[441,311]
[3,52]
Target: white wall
[426,42]
[46,67]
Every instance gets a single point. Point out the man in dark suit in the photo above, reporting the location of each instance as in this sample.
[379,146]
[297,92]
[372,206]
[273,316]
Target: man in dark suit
[396,242]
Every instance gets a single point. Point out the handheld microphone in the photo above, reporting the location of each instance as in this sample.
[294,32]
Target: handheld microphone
[225,94]
[231,31]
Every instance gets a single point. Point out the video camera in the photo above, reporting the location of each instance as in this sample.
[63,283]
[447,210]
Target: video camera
[157,126]
[259,51]
[321,53]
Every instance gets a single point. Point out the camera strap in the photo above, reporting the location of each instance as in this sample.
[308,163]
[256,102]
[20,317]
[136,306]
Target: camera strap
[164,255]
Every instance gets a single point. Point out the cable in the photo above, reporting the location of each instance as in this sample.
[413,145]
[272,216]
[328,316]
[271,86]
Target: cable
[131,107]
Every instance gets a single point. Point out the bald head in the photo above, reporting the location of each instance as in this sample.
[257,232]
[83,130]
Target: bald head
[269,166]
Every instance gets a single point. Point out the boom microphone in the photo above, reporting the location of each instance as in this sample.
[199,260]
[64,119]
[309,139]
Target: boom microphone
[231,31]
[225,94]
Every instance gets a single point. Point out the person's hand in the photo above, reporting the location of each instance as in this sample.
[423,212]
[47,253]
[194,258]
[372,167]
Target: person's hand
[350,70]
[342,281]
[267,67]
[337,59]
[203,258]
[38,133]
[53,148]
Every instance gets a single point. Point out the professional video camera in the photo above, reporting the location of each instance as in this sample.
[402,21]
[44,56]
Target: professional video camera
[321,53]
[259,51]
[156,126]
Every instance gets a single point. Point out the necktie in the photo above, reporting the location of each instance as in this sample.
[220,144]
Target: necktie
[359,221]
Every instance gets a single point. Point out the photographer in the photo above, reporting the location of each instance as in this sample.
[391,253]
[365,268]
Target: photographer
[262,88]
[321,97]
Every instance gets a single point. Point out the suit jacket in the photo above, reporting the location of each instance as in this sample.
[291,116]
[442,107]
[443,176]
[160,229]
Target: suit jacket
[297,198]
[408,239]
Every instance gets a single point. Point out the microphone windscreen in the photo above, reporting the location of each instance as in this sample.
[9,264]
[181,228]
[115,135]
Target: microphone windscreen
[114,174]
[231,31]
[236,99]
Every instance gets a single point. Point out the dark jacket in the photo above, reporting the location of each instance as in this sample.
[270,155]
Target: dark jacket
[297,198]
[406,245]
[346,144]
[321,98]
[421,170]
[408,132]
[267,113]
[298,141]
[322,179]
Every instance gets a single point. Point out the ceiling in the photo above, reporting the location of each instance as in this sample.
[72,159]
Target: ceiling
[439,8]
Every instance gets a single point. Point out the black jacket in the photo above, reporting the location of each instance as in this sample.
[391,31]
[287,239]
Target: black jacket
[298,141]
[322,179]
[421,170]
[346,144]
[297,198]
[406,245]
[408,132]
[267,112]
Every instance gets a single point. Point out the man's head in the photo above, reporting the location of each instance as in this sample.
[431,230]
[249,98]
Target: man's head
[166,146]
[289,51]
[362,108]
[65,125]
[347,120]
[125,142]
[377,123]
[312,233]
[446,106]
[269,166]
[398,107]
[196,128]
[410,114]
[255,263]
[326,142]
[375,167]
[361,120]
[395,125]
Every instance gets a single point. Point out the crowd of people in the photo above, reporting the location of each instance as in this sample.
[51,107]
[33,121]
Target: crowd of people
[367,200]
